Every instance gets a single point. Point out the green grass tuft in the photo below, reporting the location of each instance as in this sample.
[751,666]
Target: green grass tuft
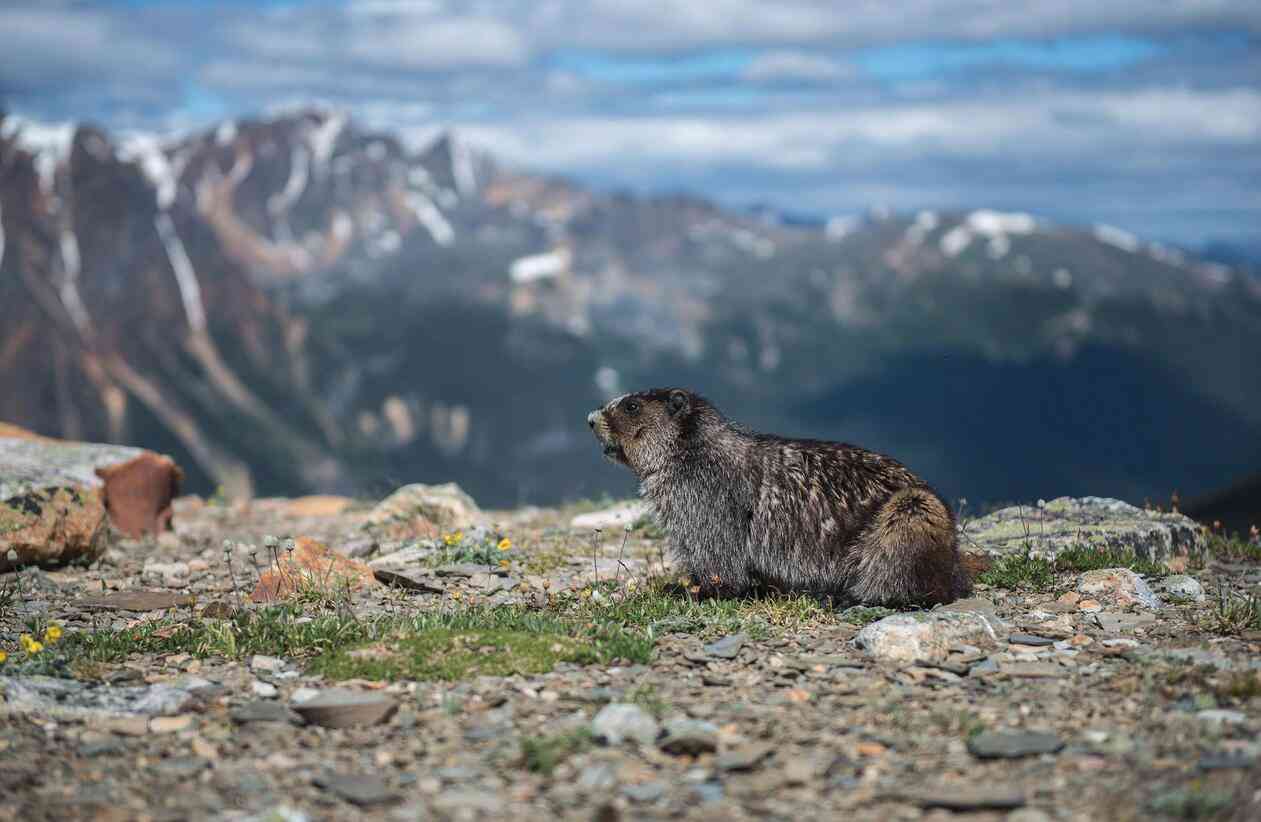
[1023,571]
[1088,558]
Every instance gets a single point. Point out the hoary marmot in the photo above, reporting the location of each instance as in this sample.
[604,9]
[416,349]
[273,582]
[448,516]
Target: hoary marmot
[747,511]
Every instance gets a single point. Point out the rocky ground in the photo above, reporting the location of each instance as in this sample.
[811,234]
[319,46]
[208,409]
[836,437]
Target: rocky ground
[424,659]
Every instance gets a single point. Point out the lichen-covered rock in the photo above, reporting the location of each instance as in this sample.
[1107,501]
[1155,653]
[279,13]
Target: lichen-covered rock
[1118,587]
[1049,528]
[56,497]
[926,635]
[423,510]
[618,516]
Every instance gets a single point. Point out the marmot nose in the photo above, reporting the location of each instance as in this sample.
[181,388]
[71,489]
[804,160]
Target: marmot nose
[592,417]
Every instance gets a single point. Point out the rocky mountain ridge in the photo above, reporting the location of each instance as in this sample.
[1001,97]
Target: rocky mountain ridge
[294,304]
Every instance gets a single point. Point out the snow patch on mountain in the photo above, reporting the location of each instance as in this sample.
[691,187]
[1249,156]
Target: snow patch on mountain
[430,217]
[225,133]
[838,228]
[299,173]
[540,266]
[146,151]
[48,143]
[1116,237]
[182,267]
[323,139]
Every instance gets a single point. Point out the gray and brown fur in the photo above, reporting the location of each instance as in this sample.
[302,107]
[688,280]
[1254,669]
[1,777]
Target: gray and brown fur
[747,511]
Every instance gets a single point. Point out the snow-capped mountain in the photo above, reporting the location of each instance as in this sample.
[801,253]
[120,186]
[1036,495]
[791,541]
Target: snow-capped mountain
[294,304]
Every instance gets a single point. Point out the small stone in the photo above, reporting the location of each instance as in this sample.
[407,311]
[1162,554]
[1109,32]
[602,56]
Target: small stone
[726,648]
[1069,598]
[266,690]
[969,798]
[618,516]
[644,791]
[218,610]
[689,736]
[357,789]
[126,725]
[1226,760]
[1089,606]
[744,757]
[1013,744]
[1028,815]
[1220,715]
[409,578]
[597,778]
[170,724]
[343,708]
[1031,670]
[619,721]
[1030,639]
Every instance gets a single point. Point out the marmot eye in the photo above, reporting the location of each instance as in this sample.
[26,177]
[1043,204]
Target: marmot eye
[631,407]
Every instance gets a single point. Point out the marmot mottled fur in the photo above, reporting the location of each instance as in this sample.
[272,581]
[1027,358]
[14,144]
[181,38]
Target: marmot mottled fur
[747,511]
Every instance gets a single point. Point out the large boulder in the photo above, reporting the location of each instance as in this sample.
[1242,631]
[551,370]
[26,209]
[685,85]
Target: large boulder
[57,497]
[1049,528]
[423,510]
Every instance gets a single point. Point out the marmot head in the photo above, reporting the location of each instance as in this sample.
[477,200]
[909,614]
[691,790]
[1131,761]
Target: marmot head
[644,430]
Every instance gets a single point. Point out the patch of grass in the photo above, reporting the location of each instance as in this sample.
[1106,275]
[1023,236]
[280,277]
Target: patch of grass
[1023,571]
[433,645]
[481,642]
[541,754]
[1233,614]
[1240,686]
[1089,558]
[660,606]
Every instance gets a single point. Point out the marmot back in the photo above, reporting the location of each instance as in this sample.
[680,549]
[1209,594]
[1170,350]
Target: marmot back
[747,511]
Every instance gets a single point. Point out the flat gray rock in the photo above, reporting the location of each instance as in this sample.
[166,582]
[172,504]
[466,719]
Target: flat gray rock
[1013,744]
[744,757]
[412,580]
[619,516]
[135,601]
[344,708]
[1052,527]
[357,789]
[969,798]
[726,648]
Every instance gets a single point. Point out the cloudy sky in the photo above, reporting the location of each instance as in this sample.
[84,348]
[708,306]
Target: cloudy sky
[1146,115]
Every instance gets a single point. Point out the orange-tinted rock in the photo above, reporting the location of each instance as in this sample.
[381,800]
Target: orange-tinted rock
[311,565]
[138,493]
[51,526]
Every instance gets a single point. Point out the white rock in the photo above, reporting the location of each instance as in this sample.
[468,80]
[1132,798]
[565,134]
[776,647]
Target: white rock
[925,635]
[620,721]
[258,662]
[619,516]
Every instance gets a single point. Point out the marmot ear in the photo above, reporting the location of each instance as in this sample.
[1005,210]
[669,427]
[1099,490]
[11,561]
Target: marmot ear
[677,402]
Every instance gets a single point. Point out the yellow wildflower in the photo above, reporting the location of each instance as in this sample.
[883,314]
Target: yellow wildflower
[503,563]
[3,657]
[52,634]
[456,595]
[505,544]
[30,644]
[585,593]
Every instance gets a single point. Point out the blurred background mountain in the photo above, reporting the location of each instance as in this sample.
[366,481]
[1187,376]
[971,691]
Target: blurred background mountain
[1020,256]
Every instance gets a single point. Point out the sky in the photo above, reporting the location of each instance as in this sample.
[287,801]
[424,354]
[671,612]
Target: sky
[1143,115]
